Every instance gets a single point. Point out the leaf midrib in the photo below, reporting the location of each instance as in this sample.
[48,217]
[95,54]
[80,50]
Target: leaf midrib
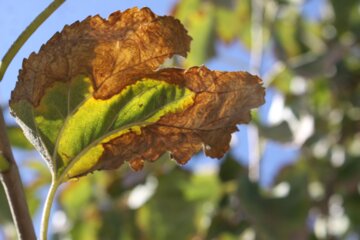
[97,141]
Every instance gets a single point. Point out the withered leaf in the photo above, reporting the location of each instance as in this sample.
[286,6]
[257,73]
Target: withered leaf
[93,97]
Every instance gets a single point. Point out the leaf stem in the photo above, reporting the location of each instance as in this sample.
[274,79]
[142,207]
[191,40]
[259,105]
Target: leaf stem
[25,35]
[47,209]
[14,190]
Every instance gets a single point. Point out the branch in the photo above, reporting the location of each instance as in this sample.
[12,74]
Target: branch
[257,11]
[10,179]
[25,35]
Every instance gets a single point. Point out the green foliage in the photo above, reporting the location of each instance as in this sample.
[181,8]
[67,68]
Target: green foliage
[17,138]
[177,192]
[199,20]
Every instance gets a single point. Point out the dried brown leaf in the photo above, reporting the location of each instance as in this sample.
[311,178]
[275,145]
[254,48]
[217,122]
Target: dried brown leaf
[200,110]
[113,51]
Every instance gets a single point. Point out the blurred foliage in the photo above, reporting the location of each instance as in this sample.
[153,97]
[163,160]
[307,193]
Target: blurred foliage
[17,138]
[316,73]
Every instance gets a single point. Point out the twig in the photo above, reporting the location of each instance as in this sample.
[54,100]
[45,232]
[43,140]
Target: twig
[257,11]
[14,190]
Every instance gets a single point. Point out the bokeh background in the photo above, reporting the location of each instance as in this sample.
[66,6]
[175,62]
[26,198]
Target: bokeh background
[293,173]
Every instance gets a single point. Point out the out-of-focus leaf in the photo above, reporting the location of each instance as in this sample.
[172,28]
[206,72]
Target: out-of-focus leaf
[355,20]
[343,14]
[44,177]
[5,215]
[204,198]
[112,105]
[230,170]
[17,138]
[351,205]
[87,204]
[287,33]
[194,190]
[199,19]
[282,80]
[348,185]
[228,221]
[34,201]
[349,171]
[4,164]
[225,227]
[169,198]
[284,1]
[233,21]
[228,20]
[321,95]
[280,132]
[75,196]
[188,201]
[89,225]
[269,215]
[186,8]
[295,36]
[119,223]
[201,27]
[33,187]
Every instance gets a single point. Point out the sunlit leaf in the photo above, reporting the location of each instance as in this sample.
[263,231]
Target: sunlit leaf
[199,20]
[233,21]
[102,101]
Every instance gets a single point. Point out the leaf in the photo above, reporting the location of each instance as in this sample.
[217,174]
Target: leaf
[184,196]
[199,19]
[280,132]
[93,97]
[233,21]
[168,198]
[270,215]
[17,138]
[343,15]
[230,169]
